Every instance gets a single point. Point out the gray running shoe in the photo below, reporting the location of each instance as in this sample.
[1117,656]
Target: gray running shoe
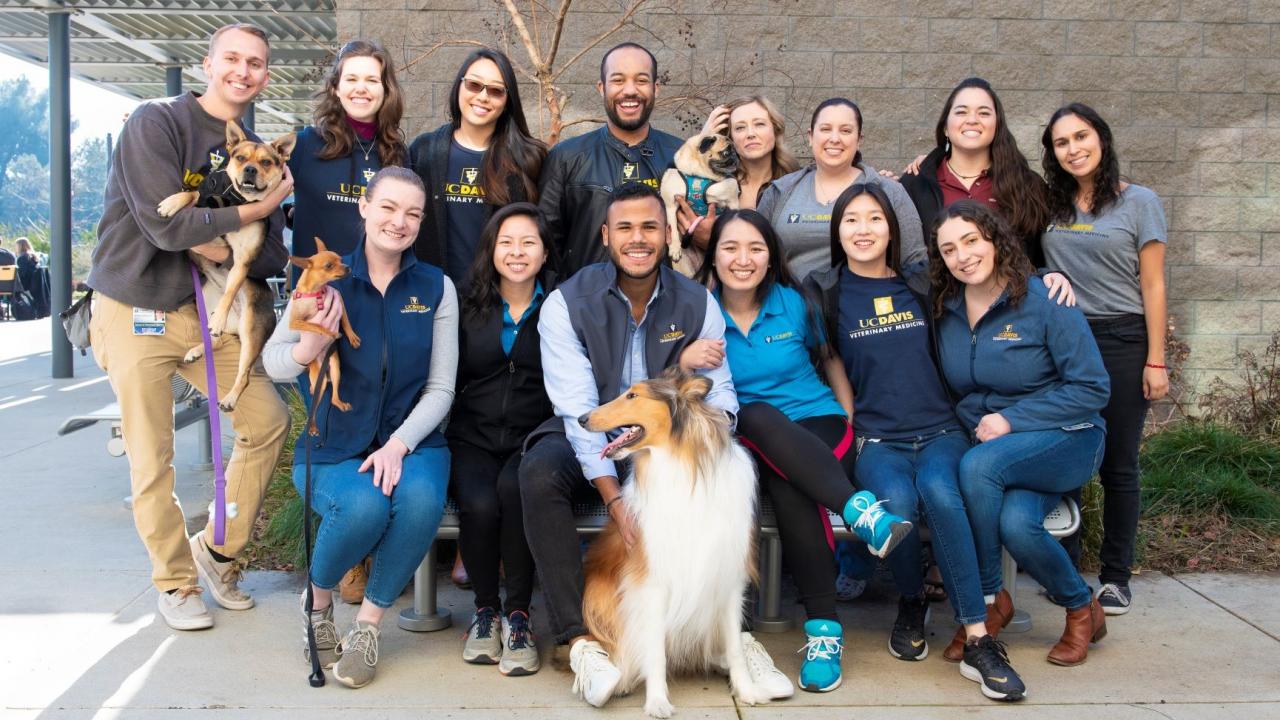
[326,634]
[483,645]
[358,655]
[221,578]
[519,652]
[183,609]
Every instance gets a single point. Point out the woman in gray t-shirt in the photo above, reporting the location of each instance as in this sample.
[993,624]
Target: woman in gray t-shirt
[1109,237]
[798,205]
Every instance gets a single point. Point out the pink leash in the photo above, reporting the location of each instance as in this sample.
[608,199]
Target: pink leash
[215,424]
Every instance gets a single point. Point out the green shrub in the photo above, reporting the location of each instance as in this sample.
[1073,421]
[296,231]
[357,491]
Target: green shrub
[1200,468]
[278,542]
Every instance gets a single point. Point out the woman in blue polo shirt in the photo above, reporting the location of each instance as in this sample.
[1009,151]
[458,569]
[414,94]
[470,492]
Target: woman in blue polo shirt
[794,424]
[379,470]
[1031,386]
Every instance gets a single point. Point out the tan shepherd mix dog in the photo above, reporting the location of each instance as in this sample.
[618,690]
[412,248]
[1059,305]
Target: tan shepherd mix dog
[673,601]
[242,305]
[704,173]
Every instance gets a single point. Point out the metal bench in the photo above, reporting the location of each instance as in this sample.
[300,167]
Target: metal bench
[189,407]
[425,615]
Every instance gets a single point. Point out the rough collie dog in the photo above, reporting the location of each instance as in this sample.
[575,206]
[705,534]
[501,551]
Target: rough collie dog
[673,601]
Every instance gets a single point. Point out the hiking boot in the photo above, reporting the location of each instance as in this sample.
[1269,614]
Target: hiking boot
[483,646]
[999,614]
[358,655]
[849,588]
[595,676]
[1115,598]
[519,652]
[351,586]
[820,670]
[880,529]
[183,609]
[221,578]
[907,642]
[763,672]
[987,663]
[326,634]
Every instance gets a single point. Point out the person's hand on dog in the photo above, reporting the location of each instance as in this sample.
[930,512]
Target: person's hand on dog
[254,211]
[686,218]
[609,487]
[717,121]
[215,250]
[311,345]
[702,354]
[991,427]
[386,463]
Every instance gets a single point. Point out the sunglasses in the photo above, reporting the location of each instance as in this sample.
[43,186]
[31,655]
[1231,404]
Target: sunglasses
[497,92]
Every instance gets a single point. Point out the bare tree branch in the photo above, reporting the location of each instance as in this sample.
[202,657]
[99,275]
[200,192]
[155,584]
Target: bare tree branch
[622,22]
[535,55]
[555,39]
[439,45]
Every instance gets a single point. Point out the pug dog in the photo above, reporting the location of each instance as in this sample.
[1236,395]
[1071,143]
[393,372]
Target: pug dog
[243,306]
[704,173]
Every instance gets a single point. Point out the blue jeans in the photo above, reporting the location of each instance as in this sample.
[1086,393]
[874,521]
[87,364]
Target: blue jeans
[358,519]
[1009,485]
[908,474]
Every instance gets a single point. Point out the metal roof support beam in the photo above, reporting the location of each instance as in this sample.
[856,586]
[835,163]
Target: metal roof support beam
[105,29]
[173,80]
[60,187]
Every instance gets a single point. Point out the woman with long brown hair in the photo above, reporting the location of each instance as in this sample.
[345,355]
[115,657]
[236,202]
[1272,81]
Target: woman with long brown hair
[480,160]
[355,133]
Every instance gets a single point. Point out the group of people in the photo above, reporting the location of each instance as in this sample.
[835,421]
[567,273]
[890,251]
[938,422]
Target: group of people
[963,348]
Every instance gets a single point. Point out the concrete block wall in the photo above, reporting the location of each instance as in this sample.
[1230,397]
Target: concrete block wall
[1191,88]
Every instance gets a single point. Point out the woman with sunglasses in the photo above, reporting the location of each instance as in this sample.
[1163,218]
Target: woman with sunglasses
[480,160]
[356,132]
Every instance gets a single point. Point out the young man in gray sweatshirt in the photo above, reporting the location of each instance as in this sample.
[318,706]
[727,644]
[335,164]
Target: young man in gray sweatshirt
[145,320]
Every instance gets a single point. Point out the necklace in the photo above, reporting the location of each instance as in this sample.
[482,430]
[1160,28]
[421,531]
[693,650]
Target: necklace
[820,192]
[963,177]
[366,151]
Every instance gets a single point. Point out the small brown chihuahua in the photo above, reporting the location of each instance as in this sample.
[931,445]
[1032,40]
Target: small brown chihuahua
[308,299]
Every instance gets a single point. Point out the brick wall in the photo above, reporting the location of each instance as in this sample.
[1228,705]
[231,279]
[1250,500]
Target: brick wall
[1191,87]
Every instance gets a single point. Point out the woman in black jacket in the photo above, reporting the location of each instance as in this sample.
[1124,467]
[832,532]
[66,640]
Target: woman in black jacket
[480,160]
[977,158]
[500,399]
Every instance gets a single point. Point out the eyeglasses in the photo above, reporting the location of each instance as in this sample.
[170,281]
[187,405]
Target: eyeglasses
[497,92]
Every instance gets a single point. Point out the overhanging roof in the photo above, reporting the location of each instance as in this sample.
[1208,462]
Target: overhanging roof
[126,45]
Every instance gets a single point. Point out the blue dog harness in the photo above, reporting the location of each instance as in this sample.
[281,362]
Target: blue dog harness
[695,192]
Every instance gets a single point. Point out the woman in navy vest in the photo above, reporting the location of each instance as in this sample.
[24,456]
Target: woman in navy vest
[793,422]
[501,398]
[355,133]
[379,470]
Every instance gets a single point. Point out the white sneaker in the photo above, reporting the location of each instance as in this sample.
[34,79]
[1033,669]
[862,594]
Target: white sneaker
[183,609]
[222,578]
[762,670]
[594,676]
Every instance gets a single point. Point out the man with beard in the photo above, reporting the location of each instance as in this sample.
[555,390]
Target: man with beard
[581,173]
[586,361]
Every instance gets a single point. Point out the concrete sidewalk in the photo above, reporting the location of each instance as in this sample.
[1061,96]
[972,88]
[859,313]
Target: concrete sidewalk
[83,638]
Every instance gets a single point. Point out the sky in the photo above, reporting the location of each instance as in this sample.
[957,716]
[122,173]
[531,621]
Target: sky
[97,111]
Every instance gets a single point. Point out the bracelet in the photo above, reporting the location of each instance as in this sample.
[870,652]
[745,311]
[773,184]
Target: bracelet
[1157,367]
[615,499]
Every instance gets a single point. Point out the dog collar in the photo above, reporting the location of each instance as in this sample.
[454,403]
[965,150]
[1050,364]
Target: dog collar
[318,295]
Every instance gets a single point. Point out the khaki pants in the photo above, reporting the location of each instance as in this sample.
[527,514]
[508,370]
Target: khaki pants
[140,368]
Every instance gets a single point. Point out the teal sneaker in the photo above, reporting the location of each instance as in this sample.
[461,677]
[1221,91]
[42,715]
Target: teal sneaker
[880,529]
[820,671]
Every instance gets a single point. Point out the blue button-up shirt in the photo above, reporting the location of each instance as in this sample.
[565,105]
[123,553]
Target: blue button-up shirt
[571,384]
[511,327]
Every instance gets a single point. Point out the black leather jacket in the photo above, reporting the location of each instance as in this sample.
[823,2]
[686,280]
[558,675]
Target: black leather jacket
[577,180]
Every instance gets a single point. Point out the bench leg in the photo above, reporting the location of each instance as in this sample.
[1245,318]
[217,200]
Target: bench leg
[769,616]
[424,616]
[1021,621]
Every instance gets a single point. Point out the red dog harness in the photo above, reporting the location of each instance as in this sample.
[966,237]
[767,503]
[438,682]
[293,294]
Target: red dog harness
[318,295]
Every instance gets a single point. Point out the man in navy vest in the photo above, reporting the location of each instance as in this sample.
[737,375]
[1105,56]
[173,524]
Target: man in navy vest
[611,325]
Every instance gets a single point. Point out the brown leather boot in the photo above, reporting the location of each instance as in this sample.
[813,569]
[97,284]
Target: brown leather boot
[998,616]
[351,586]
[1084,625]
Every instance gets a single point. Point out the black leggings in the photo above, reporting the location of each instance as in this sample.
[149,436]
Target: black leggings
[805,467]
[491,524]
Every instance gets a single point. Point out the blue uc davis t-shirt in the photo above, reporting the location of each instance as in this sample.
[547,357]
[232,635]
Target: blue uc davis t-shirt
[884,343]
[771,362]
[464,207]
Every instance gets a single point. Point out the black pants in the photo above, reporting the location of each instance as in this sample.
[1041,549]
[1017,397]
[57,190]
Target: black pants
[550,481]
[1123,344]
[804,467]
[491,524]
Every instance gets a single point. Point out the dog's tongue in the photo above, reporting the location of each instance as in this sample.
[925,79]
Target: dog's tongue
[618,441]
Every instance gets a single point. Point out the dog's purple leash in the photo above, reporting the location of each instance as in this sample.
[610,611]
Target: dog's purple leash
[215,424]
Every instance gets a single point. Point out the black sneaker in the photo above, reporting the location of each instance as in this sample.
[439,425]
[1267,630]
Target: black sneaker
[986,663]
[906,642]
[1115,598]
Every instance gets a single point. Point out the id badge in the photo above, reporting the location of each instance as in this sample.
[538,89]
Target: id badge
[148,322]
